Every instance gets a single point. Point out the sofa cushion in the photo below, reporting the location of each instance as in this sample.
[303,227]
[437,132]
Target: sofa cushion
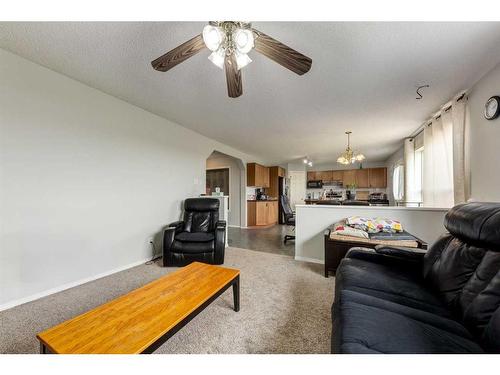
[365,328]
[399,285]
[192,247]
[194,237]
[445,323]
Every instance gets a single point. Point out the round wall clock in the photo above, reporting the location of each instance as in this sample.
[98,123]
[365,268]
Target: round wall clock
[492,108]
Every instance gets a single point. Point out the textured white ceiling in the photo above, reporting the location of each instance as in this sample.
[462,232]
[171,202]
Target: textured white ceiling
[363,79]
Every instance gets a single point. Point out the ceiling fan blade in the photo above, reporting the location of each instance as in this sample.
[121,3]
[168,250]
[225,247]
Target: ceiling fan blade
[179,54]
[283,55]
[233,77]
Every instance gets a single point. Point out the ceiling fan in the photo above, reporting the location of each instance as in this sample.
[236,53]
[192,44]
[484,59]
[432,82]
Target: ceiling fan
[230,42]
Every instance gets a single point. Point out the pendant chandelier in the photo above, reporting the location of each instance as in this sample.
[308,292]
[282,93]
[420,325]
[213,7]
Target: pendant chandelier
[348,156]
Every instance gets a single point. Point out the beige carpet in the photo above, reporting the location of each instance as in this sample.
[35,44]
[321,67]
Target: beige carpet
[285,308]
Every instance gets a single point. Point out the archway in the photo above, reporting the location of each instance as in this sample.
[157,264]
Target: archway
[228,173]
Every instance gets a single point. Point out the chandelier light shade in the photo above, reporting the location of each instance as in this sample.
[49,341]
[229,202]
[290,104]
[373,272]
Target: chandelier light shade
[349,156]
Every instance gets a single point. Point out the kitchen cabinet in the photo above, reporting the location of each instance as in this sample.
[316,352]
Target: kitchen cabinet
[362,180]
[325,176]
[262,213]
[311,176]
[274,174]
[378,177]
[337,175]
[257,175]
[349,177]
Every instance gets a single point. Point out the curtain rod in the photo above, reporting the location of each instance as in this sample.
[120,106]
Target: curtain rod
[445,108]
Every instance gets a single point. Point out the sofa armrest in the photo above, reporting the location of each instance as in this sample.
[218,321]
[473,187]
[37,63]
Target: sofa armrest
[371,255]
[407,253]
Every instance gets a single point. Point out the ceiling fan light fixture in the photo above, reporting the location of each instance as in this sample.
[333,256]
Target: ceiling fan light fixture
[217,58]
[242,59]
[213,37]
[243,40]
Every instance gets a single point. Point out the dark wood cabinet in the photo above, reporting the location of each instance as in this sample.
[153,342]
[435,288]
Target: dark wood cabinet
[349,177]
[312,176]
[260,213]
[378,177]
[362,178]
[257,175]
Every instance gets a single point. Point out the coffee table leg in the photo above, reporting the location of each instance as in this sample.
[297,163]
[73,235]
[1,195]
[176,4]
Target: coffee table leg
[236,293]
[43,349]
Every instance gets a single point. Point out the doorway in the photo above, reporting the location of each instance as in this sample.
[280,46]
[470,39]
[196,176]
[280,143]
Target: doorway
[297,188]
[217,178]
[227,173]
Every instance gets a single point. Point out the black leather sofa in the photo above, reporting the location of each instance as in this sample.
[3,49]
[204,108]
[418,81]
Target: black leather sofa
[393,300]
[201,236]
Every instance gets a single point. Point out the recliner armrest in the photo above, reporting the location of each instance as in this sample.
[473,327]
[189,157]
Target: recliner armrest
[407,253]
[221,224]
[178,225]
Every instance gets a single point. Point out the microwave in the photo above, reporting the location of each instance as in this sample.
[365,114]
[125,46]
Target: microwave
[318,184]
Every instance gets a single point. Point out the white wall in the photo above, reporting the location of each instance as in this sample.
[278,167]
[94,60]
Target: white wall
[85,180]
[311,222]
[237,199]
[484,140]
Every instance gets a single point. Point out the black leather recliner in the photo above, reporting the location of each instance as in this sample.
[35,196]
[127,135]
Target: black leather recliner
[201,236]
[447,300]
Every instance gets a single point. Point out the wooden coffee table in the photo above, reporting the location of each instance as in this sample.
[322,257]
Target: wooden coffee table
[142,320]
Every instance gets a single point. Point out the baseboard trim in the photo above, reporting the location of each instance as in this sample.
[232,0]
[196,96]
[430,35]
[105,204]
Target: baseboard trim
[234,226]
[60,288]
[310,260]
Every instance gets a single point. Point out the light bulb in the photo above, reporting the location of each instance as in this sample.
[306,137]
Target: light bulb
[305,161]
[244,40]
[242,59]
[360,157]
[217,57]
[212,36]
[310,164]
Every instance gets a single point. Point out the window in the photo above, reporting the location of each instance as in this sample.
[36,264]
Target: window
[419,174]
[398,182]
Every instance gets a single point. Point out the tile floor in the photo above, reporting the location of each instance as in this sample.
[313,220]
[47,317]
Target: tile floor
[269,240]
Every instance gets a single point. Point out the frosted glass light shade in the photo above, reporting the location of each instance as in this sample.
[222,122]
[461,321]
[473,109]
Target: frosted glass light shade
[244,40]
[217,57]
[360,157]
[242,59]
[213,37]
